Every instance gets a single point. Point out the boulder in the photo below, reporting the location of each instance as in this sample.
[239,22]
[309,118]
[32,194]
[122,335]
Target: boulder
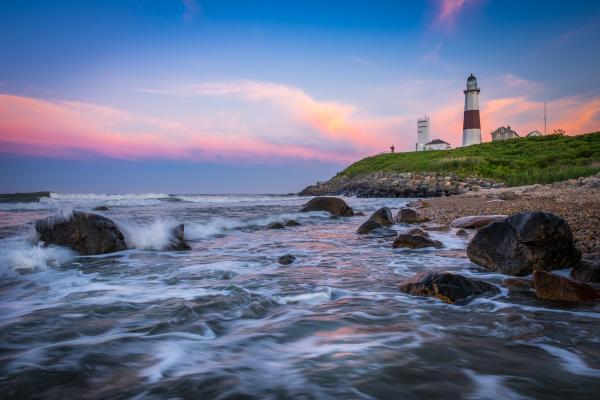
[367,227]
[549,286]
[462,233]
[408,216]
[446,286]
[518,284]
[101,208]
[292,222]
[418,231]
[507,195]
[83,232]
[286,259]
[416,242]
[334,205]
[524,242]
[588,270]
[476,221]
[359,214]
[275,225]
[383,216]
[177,241]
[383,233]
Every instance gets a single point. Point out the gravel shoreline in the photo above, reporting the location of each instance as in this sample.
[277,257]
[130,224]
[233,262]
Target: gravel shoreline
[575,200]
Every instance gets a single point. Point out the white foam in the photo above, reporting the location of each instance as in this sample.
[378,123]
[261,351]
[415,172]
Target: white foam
[305,298]
[570,361]
[154,236]
[491,387]
[18,255]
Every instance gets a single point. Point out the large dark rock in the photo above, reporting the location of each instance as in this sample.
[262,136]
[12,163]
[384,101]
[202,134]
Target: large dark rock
[367,227]
[418,231]
[101,208]
[415,242]
[292,222]
[446,286]
[383,216]
[588,270]
[524,242]
[334,205]
[83,232]
[550,286]
[177,241]
[476,221]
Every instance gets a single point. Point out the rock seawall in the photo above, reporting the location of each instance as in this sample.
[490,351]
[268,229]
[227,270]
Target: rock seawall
[403,184]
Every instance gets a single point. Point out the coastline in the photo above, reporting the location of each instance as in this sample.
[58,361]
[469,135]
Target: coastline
[575,200]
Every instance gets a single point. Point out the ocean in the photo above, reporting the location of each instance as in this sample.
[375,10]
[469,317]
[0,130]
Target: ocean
[226,321]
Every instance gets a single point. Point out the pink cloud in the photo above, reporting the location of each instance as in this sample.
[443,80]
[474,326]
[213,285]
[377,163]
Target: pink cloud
[448,12]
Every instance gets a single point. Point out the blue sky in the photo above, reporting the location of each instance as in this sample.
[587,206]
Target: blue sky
[235,96]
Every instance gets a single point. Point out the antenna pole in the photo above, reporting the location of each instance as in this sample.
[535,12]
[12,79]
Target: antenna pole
[545,118]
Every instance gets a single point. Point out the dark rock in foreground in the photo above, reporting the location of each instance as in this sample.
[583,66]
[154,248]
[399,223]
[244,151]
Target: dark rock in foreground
[462,233]
[367,227]
[416,242]
[383,216]
[334,205]
[83,232]
[275,225]
[476,221]
[178,243]
[518,284]
[524,242]
[446,286]
[550,286]
[286,259]
[588,270]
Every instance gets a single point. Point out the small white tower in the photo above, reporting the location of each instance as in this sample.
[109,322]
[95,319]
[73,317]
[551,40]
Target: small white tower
[471,121]
[422,133]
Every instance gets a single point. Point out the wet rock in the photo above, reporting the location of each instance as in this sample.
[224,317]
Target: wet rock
[359,214]
[292,222]
[446,286]
[383,216]
[367,227]
[101,208]
[416,242]
[507,195]
[275,225]
[408,216]
[462,233]
[83,232]
[588,270]
[178,243]
[434,227]
[549,286]
[476,221]
[418,231]
[518,284]
[524,242]
[286,259]
[334,205]
[383,233]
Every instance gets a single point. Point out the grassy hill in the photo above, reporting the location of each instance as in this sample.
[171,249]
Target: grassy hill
[521,161]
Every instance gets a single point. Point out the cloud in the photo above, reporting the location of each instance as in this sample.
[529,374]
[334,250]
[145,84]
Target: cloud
[363,61]
[448,12]
[192,8]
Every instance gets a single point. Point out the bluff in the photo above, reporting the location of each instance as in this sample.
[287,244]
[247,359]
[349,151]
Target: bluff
[516,162]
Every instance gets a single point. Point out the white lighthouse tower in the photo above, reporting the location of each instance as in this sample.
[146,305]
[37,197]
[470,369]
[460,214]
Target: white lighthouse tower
[471,121]
[422,133]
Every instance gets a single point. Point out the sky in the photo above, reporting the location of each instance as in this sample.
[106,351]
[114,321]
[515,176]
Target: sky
[198,96]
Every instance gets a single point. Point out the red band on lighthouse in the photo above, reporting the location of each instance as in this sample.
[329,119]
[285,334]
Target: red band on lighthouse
[471,120]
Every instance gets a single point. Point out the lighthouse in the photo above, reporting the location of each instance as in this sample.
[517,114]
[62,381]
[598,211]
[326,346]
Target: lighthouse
[471,122]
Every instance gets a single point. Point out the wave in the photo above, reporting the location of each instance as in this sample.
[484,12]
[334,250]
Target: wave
[23,254]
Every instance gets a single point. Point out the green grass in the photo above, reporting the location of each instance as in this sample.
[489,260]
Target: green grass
[521,161]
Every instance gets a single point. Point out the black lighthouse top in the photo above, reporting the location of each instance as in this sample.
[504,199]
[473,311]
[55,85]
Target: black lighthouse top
[472,84]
